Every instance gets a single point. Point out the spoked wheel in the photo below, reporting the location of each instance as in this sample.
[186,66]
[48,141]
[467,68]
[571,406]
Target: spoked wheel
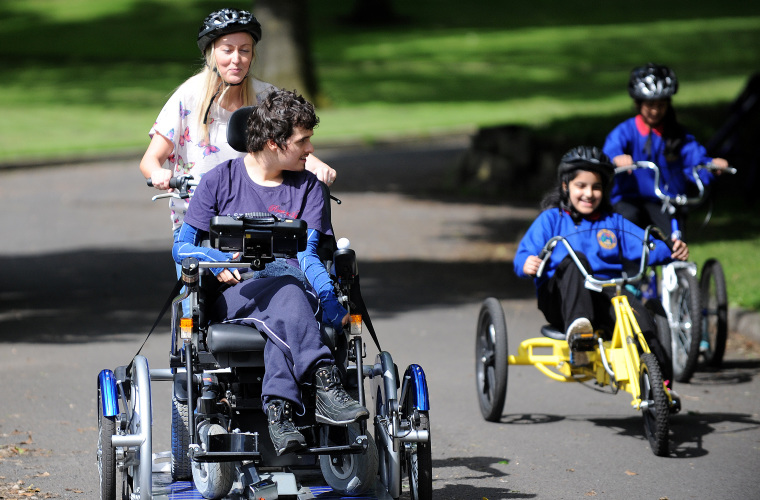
[384,391]
[712,285]
[212,479]
[491,359]
[106,452]
[419,462]
[351,474]
[140,474]
[654,405]
[688,333]
[181,463]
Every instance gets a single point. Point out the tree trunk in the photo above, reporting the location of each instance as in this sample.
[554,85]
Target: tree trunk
[283,56]
[373,12]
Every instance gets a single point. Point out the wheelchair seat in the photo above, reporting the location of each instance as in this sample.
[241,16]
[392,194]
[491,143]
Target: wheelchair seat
[236,345]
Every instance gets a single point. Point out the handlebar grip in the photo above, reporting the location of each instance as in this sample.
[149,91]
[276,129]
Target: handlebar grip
[149,182]
[657,232]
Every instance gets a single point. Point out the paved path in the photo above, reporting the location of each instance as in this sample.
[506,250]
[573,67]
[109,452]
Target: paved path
[85,266]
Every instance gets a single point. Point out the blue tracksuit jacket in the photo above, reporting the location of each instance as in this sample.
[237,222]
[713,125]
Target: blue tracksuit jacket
[631,137]
[605,240]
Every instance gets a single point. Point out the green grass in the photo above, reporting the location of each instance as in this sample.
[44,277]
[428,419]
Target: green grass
[92,76]
[81,77]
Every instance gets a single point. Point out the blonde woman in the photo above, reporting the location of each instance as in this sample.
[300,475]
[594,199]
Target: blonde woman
[190,133]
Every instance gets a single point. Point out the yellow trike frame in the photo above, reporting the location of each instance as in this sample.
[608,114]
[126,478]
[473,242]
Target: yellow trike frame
[620,355]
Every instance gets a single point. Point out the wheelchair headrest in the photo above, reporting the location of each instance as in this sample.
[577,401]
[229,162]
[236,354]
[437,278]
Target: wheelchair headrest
[236,137]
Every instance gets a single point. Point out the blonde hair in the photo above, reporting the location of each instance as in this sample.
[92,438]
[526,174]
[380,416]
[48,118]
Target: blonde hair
[215,89]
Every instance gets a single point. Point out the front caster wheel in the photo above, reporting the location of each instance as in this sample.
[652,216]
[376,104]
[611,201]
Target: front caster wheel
[351,474]
[213,480]
[491,359]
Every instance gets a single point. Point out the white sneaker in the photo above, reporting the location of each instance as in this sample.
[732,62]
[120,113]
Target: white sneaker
[581,326]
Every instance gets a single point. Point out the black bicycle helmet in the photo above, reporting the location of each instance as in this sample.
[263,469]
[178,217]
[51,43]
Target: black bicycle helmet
[587,158]
[651,82]
[225,21]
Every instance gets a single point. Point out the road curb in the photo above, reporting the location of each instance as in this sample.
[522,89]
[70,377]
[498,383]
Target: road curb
[745,322]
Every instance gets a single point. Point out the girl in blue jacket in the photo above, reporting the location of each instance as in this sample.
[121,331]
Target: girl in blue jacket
[580,210]
[654,135]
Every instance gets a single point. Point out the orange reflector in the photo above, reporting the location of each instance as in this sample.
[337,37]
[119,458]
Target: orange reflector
[356,324]
[186,328]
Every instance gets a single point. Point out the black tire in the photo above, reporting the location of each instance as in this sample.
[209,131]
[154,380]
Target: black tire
[491,370]
[182,466]
[420,465]
[663,327]
[106,452]
[656,425]
[712,285]
[213,480]
[354,474]
[687,309]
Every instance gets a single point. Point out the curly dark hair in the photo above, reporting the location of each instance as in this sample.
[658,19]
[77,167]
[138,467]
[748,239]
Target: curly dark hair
[275,117]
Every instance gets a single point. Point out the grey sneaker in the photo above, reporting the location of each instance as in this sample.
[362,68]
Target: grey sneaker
[581,336]
[334,405]
[283,432]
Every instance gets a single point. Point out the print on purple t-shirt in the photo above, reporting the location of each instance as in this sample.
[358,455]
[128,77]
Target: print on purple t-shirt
[228,190]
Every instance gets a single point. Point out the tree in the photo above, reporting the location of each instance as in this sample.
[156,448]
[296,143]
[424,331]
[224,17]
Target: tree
[284,57]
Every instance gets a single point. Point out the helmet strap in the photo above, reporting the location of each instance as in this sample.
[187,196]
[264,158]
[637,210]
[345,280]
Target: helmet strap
[219,91]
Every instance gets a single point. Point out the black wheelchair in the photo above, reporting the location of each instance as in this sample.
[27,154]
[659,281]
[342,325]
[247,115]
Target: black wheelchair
[220,446]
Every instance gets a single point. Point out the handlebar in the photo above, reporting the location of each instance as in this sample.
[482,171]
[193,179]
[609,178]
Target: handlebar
[680,199]
[597,284]
[181,184]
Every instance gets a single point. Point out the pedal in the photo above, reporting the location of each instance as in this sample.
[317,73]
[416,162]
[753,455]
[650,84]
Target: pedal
[579,358]
[582,342]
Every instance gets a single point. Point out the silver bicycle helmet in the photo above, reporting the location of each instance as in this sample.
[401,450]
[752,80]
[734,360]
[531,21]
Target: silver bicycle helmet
[651,82]
[225,21]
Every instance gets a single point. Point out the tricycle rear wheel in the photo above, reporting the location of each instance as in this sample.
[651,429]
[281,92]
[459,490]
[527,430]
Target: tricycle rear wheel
[712,285]
[491,369]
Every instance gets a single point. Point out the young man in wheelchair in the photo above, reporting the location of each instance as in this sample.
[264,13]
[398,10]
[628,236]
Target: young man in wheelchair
[272,178]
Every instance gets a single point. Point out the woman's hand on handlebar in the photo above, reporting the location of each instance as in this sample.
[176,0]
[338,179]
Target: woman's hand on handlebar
[230,276]
[720,163]
[680,250]
[160,178]
[622,160]
[532,263]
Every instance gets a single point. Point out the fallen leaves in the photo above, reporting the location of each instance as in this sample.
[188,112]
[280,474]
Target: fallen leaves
[18,491]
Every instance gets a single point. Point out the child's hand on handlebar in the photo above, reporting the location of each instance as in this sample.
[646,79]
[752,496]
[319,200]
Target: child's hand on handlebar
[680,250]
[160,178]
[230,276]
[532,263]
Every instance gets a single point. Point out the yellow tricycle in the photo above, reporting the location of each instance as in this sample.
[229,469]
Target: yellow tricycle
[620,361]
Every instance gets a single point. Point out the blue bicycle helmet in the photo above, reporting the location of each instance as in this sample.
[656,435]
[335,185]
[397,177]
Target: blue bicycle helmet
[651,82]
[225,21]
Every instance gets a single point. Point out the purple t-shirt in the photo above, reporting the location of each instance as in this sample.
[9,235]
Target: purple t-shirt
[228,190]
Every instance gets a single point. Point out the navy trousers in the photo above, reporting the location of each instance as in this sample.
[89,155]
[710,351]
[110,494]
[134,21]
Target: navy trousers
[286,311]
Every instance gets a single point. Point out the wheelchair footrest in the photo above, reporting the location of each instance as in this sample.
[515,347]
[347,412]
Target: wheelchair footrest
[358,446]
[229,448]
